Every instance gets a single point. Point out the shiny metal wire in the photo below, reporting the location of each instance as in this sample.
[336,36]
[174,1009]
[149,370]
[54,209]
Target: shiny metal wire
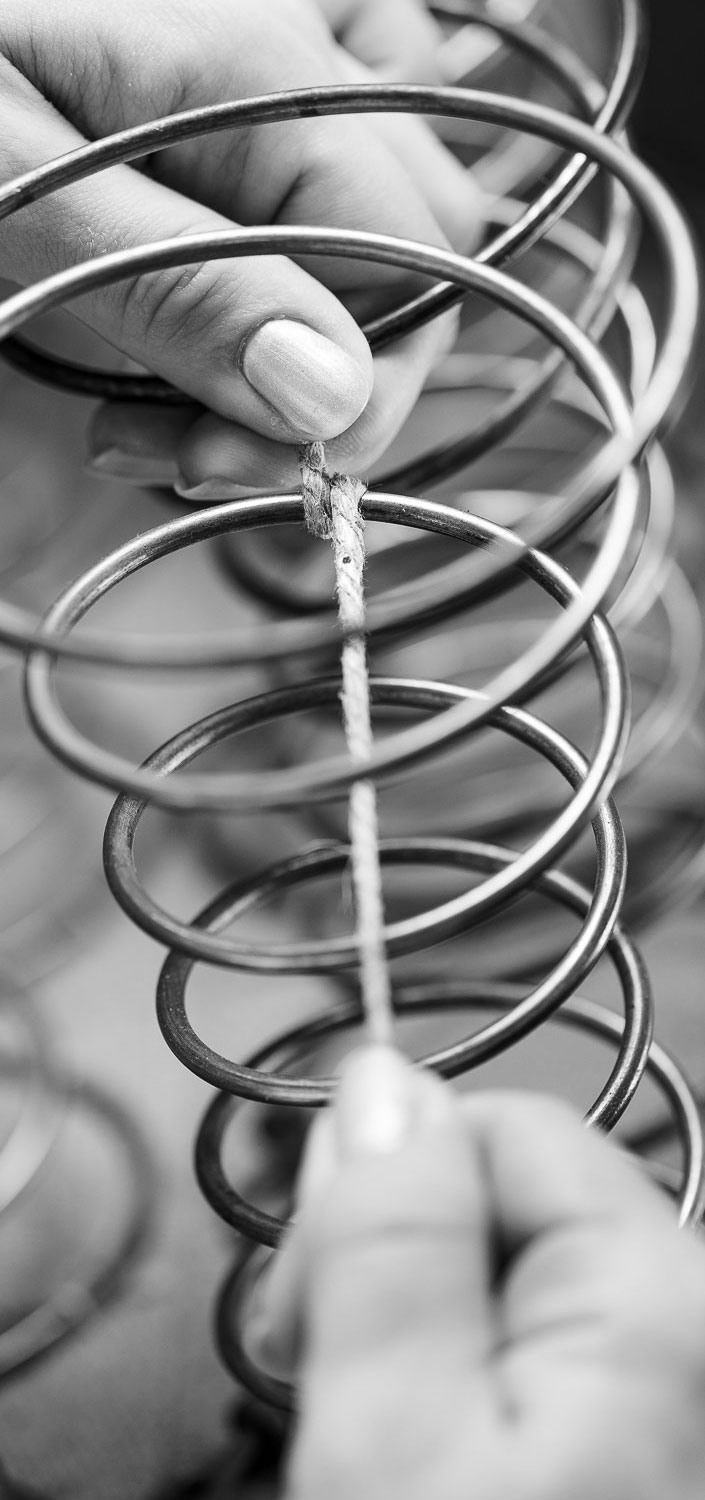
[680,276]
[131,145]
[611,516]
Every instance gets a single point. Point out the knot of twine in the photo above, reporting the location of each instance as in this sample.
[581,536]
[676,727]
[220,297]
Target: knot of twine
[332,512]
[315,491]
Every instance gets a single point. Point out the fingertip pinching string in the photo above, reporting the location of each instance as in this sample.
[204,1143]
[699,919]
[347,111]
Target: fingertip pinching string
[332,512]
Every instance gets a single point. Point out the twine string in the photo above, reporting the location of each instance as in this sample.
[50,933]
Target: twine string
[332,511]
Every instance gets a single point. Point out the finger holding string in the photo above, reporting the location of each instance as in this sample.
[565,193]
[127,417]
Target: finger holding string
[207,459]
[378,1100]
[268,347]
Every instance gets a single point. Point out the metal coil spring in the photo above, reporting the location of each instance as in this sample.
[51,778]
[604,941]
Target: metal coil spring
[610,514]
[69,1285]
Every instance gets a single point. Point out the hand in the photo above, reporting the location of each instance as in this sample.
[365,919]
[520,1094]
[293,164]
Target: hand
[484,1300]
[270,348]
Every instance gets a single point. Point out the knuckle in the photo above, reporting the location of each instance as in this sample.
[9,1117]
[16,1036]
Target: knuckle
[181,299]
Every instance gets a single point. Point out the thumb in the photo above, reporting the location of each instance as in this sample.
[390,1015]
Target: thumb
[392,1239]
[257,340]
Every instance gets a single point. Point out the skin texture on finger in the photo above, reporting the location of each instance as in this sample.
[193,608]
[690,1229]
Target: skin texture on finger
[308,172]
[188,324]
[126,74]
[250,177]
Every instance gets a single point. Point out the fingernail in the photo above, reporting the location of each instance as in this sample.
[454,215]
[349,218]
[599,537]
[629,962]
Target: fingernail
[315,386]
[214,489]
[115,463]
[375,1103]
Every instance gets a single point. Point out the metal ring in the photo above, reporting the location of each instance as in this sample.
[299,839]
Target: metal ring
[671,232]
[287,787]
[400,937]
[15,628]
[140,141]
[578,1012]
[609,268]
[634,1033]
[42,1328]
[430,996]
[597,934]
[261,575]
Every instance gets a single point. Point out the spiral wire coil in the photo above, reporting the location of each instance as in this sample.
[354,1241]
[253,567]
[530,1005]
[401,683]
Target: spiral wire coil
[611,516]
